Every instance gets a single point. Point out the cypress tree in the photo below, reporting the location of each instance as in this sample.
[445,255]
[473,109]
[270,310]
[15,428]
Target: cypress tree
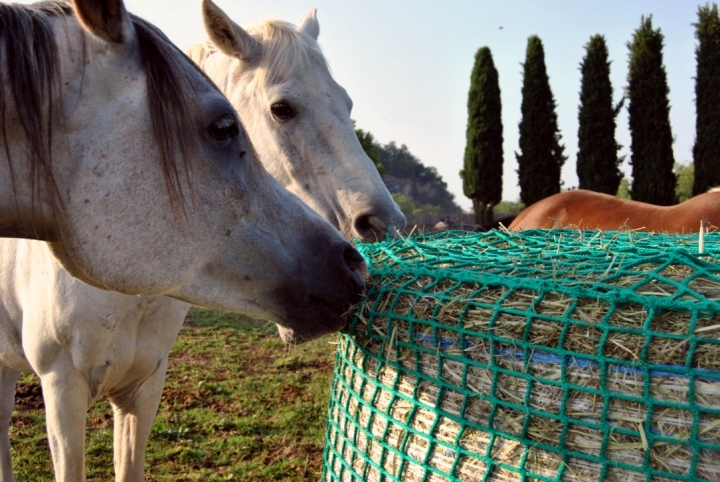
[597,159]
[706,151]
[542,156]
[649,113]
[482,168]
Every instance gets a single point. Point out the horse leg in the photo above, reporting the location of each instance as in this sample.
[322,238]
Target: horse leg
[67,398]
[8,382]
[134,411]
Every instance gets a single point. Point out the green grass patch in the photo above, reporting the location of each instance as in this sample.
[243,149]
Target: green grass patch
[238,404]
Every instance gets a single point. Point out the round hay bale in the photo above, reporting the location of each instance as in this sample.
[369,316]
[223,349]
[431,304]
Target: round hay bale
[547,356]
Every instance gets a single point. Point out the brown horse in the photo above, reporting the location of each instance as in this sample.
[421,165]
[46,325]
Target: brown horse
[581,209]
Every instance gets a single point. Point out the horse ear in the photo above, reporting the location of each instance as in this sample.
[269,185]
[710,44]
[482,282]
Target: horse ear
[309,24]
[228,37]
[106,19]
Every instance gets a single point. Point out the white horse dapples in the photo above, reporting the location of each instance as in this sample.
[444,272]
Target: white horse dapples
[87,343]
[117,150]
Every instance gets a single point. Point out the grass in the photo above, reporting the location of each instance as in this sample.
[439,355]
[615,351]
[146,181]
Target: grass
[238,404]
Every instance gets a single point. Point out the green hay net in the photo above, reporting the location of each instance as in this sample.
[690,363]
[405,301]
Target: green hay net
[543,356]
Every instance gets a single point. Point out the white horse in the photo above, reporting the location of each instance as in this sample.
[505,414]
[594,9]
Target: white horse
[87,343]
[95,109]
[278,80]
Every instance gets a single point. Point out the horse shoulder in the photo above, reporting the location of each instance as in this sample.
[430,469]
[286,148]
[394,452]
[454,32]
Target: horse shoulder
[26,289]
[11,350]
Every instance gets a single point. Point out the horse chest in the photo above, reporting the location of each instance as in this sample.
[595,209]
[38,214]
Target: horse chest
[119,372]
[136,347]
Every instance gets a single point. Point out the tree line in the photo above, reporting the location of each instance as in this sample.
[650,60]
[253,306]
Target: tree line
[416,188]
[541,155]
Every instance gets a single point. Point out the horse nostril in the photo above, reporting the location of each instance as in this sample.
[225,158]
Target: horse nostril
[370,228]
[356,263]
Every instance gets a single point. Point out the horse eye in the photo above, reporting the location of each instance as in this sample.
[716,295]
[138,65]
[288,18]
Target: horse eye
[282,112]
[224,128]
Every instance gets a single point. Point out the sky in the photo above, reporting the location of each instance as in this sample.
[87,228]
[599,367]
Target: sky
[407,63]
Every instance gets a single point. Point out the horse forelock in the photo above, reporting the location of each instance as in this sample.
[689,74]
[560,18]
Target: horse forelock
[31,56]
[285,49]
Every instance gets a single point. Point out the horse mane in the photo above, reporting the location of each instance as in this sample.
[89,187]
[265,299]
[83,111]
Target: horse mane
[171,108]
[33,74]
[285,48]
[31,65]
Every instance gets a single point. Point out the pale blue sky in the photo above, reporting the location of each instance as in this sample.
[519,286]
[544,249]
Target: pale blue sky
[407,64]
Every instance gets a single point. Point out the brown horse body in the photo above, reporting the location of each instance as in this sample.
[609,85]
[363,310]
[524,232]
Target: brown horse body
[581,209]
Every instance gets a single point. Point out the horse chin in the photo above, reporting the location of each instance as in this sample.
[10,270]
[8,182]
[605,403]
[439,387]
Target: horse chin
[297,336]
[316,322]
